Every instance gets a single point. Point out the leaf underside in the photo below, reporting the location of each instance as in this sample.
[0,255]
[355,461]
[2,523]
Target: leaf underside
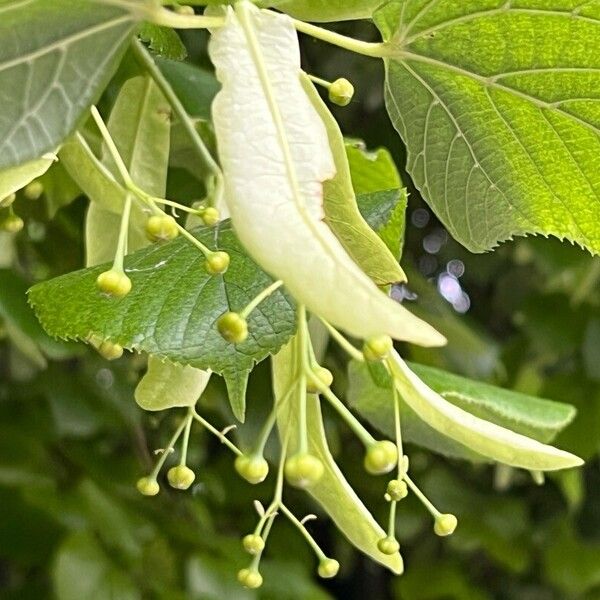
[499,106]
[56,57]
[173,306]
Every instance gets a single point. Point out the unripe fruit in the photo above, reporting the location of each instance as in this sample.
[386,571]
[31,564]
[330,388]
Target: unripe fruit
[33,190]
[388,545]
[377,348]
[217,262]
[253,543]
[184,10]
[381,457]
[250,578]
[445,524]
[148,486]
[397,490]
[254,469]
[303,470]
[115,283]
[233,327]
[328,568]
[180,477]
[110,350]
[341,92]
[323,375]
[210,216]
[160,228]
[8,200]
[12,224]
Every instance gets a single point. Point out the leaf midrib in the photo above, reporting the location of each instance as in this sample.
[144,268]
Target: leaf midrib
[64,42]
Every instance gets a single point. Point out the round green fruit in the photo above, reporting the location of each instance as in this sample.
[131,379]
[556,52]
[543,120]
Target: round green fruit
[254,469]
[148,486]
[233,327]
[341,92]
[388,545]
[303,470]
[328,568]
[180,477]
[114,283]
[323,375]
[381,457]
[253,543]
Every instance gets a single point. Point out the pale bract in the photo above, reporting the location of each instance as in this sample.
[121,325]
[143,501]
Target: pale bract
[275,155]
[488,439]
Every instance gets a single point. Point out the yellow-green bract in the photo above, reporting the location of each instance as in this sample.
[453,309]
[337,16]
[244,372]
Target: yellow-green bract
[275,155]
[488,439]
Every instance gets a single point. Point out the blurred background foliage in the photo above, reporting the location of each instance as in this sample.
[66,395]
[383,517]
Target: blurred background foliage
[73,442]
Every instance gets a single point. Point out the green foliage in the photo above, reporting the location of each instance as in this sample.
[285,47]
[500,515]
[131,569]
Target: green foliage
[332,491]
[326,10]
[502,139]
[179,322]
[163,41]
[341,210]
[518,82]
[166,385]
[57,55]
[370,393]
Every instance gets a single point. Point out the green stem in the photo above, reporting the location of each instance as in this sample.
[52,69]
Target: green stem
[343,342]
[322,82]
[260,297]
[303,341]
[363,435]
[265,432]
[161,16]
[216,432]
[377,49]
[168,450]
[186,436]
[145,58]
[392,519]
[112,148]
[398,428]
[421,496]
[309,538]
[121,250]
[185,233]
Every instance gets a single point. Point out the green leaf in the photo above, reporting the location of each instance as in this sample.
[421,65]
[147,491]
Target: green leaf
[14,178]
[194,87]
[139,125]
[373,399]
[535,417]
[326,10]
[167,385]
[164,41]
[341,211]
[59,188]
[83,570]
[484,437]
[21,324]
[498,108]
[56,56]
[172,308]
[371,171]
[95,179]
[531,416]
[332,491]
[385,212]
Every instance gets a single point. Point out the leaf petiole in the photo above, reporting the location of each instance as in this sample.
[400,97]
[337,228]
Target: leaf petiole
[374,49]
